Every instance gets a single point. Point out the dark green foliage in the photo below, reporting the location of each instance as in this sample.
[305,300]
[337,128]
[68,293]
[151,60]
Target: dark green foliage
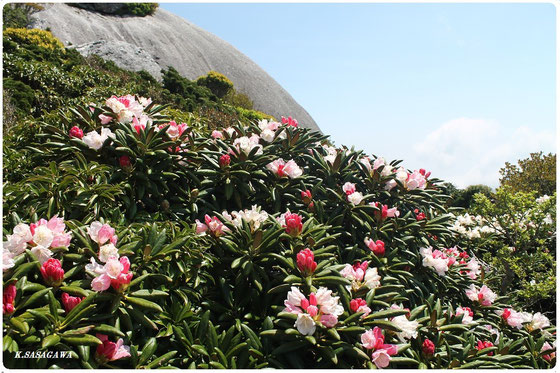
[141,9]
[465,197]
[188,95]
[21,95]
[16,15]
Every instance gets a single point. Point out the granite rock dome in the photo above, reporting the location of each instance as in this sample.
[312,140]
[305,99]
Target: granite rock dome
[165,39]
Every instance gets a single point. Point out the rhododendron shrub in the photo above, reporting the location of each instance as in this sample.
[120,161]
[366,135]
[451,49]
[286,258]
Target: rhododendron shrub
[260,245]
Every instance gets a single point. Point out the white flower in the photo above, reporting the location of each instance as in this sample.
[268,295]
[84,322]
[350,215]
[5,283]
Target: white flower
[438,264]
[409,328]
[95,140]
[7,260]
[467,318]
[372,279]
[43,236]
[474,268]
[539,321]
[107,251]
[41,253]
[543,199]
[247,144]
[328,303]
[401,175]
[267,135]
[95,267]
[355,198]
[113,267]
[305,324]
[295,297]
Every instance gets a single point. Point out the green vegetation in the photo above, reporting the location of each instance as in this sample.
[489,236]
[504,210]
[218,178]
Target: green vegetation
[217,83]
[538,173]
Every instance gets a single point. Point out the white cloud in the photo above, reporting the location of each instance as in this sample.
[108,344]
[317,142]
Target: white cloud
[468,151]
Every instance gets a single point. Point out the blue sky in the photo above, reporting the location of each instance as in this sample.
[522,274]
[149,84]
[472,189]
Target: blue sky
[458,89]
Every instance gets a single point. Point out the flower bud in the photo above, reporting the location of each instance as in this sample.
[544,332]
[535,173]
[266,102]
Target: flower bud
[428,347]
[225,160]
[124,161]
[305,262]
[294,225]
[76,132]
[8,299]
[52,272]
[306,196]
[70,302]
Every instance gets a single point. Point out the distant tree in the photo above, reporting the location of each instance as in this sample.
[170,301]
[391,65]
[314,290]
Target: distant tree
[218,83]
[538,172]
[465,197]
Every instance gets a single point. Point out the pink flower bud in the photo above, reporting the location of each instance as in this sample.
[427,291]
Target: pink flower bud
[482,345]
[305,262]
[70,302]
[304,304]
[124,161]
[312,311]
[306,196]
[428,347]
[294,225]
[355,304]
[52,272]
[76,132]
[225,160]
[8,299]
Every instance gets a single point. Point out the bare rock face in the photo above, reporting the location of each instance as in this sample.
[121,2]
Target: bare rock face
[125,55]
[167,40]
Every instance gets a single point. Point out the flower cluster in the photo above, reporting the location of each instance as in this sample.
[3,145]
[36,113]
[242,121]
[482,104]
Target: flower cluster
[41,237]
[518,319]
[482,295]
[321,307]
[175,130]
[127,110]
[377,247]
[246,145]
[96,140]
[269,130]
[213,225]
[361,276]
[472,226]
[354,197]
[409,328]
[292,223]
[280,168]
[360,305]
[379,165]
[441,260]
[254,217]
[411,181]
[467,315]
[374,341]
[115,271]
[289,121]
[384,211]
[110,351]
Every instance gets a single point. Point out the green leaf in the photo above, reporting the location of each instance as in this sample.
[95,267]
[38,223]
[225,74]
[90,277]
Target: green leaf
[50,340]
[144,303]
[147,351]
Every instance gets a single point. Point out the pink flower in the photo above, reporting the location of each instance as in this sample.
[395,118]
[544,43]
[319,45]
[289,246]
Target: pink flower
[484,295]
[385,212]
[201,228]
[101,233]
[290,121]
[225,160]
[216,227]
[482,345]
[329,320]
[293,224]
[424,173]
[110,351]
[415,180]
[52,272]
[306,196]
[217,134]
[101,283]
[419,215]
[545,347]
[70,302]
[76,132]
[360,305]
[321,307]
[138,126]
[349,188]
[428,347]
[105,119]
[285,169]
[306,262]
[377,247]
[375,340]
[123,279]
[8,299]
